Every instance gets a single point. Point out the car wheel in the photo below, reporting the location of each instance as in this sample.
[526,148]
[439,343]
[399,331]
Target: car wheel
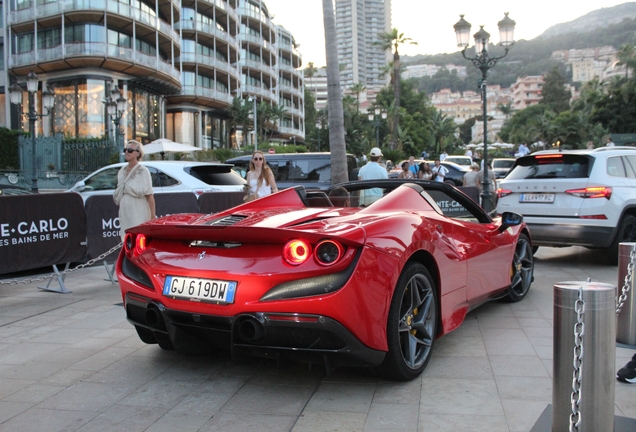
[412,324]
[521,271]
[626,234]
[535,249]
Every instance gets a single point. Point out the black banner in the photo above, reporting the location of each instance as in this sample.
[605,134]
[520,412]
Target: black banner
[214,202]
[102,218]
[40,230]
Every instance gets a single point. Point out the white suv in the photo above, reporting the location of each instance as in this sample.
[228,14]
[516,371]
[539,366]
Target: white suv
[575,197]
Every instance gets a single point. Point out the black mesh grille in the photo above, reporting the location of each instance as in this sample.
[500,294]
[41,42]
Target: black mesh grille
[227,220]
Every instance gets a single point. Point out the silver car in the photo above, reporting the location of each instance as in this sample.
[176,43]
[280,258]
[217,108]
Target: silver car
[167,177]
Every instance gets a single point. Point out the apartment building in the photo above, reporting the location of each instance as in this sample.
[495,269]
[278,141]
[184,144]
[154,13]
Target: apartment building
[421,70]
[358,26]
[178,64]
[526,91]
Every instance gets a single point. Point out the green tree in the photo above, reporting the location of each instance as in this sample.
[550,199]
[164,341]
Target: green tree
[616,110]
[505,109]
[554,94]
[337,144]
[356,89]
[443,128]
[388,41]
[627,57]
[239,116]
[466,130]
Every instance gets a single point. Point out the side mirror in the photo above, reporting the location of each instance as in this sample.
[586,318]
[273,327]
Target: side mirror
[79,186]
[509,219]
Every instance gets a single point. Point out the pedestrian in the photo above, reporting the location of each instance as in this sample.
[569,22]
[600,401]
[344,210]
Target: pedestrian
[471,177]
[610,143]
[425,171]
[590,145]
[406,172]
[372,171]
[469,153]
[413,166]
[134,194]
[443,155]
[260,178]
[439,171]
[492,186]
[627,373]
[424,154]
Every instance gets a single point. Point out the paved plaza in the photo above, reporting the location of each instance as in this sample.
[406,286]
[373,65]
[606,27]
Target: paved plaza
[71,362]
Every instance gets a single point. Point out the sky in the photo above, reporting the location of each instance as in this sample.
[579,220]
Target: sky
[430,24]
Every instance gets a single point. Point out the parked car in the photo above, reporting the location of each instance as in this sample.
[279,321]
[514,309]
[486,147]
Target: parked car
[465,161]
[501,166]
[363,286]
[10,190]
[575,197]
[311,170]
[455,174]
[167,177]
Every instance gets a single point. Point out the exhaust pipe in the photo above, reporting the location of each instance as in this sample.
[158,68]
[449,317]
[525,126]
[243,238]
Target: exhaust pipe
[251,330]
[152,317]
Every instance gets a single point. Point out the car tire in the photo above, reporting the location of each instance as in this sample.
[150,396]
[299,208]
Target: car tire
[626,234]
[521,271]
[412,324]
[535,249]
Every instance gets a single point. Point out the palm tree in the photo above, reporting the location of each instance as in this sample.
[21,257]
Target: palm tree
[356,89]
[505,109]
[443,127]
[388,41]
[627,57]
[239,116]
[334,99]
[310,72]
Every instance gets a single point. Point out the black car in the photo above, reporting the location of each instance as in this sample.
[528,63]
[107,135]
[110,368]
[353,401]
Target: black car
[9,190]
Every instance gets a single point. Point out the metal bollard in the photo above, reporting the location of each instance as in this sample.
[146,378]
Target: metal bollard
[626,319]
[597,371]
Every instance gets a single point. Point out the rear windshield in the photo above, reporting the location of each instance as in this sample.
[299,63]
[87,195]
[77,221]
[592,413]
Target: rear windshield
[503,163]
[215,175]
[551,166]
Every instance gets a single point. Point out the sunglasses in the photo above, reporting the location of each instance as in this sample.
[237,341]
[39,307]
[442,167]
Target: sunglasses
[130,150]
[257,159]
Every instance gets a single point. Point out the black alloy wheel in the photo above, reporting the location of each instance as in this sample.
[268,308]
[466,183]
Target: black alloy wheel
[412,324]
[522,271]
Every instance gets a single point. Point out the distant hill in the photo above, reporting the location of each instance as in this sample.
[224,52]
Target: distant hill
[600,18]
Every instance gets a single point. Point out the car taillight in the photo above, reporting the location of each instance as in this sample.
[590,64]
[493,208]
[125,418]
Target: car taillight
[328,252]
[296,252]
[140,244]
[503,192]
[591,192]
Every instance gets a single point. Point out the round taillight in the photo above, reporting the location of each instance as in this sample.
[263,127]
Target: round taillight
[296,252]
[129,243]
[140,244]
[328,252]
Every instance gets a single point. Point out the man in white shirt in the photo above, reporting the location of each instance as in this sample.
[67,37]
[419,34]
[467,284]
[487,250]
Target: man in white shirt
[372,171]
[610,143]
[443,155]
[440,171]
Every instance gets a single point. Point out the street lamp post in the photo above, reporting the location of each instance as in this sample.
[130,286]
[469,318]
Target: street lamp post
[376,117]
[253,99]
[483,62]
[115,107]
[48,99]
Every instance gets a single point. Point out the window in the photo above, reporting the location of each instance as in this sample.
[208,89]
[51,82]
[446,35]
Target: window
[23,43]
[49,38]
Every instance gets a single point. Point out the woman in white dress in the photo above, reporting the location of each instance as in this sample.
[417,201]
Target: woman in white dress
[260,177]
[134,194]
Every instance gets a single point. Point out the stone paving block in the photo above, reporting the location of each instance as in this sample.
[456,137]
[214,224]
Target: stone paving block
[325,421]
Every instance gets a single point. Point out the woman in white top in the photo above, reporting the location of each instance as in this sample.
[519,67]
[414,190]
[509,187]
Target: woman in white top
[260,177]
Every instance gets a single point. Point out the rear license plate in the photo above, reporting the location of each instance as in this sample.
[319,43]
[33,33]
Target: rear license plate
[199,289]
[537,197]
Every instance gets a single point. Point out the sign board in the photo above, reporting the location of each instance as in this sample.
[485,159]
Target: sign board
[40,230]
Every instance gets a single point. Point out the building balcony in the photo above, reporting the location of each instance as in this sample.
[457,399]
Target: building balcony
[262,67]
[221,5]
[255,40]
[211,96]
[191,25]
[290,69]
[99,6]
[209,61]
[259,91]
[244,12]
[152,69]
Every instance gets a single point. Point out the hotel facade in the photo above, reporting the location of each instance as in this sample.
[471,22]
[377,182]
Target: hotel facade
[178,64]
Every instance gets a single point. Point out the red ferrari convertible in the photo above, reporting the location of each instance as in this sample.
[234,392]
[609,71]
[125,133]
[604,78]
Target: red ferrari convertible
[368,274]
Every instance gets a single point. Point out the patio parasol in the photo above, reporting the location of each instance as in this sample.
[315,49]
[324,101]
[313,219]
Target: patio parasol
[164,145]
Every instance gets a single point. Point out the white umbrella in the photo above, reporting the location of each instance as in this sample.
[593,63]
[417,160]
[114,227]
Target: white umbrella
[164,145]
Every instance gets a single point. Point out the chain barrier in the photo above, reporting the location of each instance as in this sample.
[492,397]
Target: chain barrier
[65,272]
[628,281]
[579,330]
